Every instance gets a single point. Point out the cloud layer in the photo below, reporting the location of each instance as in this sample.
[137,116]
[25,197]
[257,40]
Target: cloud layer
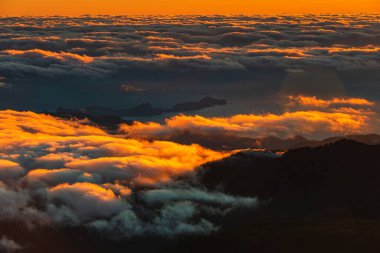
[112,59]
[100,45]
[308,116]
[70,173]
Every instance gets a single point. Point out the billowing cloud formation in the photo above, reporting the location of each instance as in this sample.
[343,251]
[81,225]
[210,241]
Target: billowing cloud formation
[9,169]
[342,119]
[98,201]
[42,141]
[70,173]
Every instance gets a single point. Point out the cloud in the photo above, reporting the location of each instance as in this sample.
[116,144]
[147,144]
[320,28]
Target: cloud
[8,245]
[52,177]
[9,169]
[173,195]
[87,200]
[92,56]
[58,173]
[303,115]
[174,219]
[15,207]
[38,53]
[324,103]
[175,57]
[240,43]
[287,124]
[38,141]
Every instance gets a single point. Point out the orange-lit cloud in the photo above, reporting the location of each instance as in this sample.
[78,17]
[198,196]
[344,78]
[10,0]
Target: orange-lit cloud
[88,200]
[9,169]
[62,56]
[288,52]
[168,56]
[89,46]
[284,125]
[88,189]
[87,153]
[82,176]
[310,121]
[324,103]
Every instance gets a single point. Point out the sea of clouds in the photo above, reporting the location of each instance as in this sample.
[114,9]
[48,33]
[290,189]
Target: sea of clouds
[125,60]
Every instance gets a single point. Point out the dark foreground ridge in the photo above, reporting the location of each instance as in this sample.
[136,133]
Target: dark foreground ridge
[322,199]
[220,141]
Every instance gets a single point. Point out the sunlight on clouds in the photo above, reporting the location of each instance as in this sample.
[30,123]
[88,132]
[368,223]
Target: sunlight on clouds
[316,102]
[308,122]
[87,189]
[63,144]
[72,173]
[56,172]
[62,56]
[284,125]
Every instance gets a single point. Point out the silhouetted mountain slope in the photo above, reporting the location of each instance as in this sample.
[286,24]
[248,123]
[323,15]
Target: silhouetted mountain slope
[323,199]
[198,105]
[146,109]
[220,141]
[108,121]
[272,142]
[213,141]
[371,139]
[343,236]
[223,141]
[346,173]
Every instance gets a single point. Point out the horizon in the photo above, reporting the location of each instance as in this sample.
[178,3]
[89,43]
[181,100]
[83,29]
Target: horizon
[202,15]
[208,7]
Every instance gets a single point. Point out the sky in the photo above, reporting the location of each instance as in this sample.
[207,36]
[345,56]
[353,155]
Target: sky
[172,7]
